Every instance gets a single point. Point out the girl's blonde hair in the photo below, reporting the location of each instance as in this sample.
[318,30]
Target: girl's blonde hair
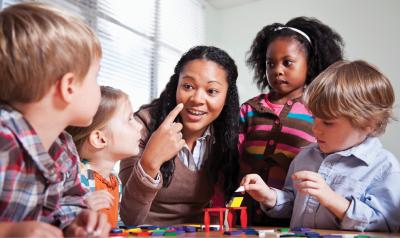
[39,44]
[355,90]
[111,98]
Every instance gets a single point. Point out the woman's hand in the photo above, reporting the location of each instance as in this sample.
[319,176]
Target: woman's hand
[163,144]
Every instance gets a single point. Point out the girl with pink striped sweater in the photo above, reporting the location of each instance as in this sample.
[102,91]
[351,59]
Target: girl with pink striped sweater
[275,125]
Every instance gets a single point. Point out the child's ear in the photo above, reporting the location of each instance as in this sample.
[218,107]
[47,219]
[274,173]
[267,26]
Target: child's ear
[370,129]
[98,139]
[67,86]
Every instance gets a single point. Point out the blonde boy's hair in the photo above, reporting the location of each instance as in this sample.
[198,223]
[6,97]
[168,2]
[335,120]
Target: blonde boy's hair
[355,90]
[38,45]
[111,99]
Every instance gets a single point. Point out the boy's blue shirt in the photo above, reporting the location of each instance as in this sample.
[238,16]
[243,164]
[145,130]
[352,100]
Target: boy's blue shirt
[367,175]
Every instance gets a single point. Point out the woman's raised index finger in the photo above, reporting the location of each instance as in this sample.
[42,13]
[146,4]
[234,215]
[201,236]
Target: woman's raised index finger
[173,114]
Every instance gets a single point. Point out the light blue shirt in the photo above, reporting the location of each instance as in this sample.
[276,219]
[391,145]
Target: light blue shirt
[194,161]
[367,175]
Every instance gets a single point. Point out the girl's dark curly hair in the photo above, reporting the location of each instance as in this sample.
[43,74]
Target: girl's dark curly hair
[223,160]
[326,47]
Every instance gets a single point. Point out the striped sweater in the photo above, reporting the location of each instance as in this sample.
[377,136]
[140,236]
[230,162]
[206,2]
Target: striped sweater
[270,137]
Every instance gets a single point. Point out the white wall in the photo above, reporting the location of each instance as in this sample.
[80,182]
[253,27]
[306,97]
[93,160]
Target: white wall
[370,29]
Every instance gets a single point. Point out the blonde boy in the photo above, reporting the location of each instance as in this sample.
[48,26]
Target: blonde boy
[347,180]
[49,61]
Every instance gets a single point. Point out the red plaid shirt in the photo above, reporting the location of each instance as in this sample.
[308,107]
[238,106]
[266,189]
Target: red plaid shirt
[36,184]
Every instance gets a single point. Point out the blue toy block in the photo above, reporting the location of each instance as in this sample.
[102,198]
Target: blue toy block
[116,230]
[190,228]
[301,229]
[233,233]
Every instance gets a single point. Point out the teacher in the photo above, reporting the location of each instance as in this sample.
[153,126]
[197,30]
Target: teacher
[188,143]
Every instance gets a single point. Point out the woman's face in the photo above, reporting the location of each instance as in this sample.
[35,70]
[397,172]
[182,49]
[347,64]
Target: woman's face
[202,89]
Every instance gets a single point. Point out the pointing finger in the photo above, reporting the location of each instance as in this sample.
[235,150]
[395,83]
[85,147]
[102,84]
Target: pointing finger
[173,114]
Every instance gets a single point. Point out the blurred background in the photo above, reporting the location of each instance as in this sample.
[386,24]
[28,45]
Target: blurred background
[142,40]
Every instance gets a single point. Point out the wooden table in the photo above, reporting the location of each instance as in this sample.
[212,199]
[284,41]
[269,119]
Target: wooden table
[212,234]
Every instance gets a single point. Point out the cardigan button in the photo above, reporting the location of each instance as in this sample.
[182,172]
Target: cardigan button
[271,142]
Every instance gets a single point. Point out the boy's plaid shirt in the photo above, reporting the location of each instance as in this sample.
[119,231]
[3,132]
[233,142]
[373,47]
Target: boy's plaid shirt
[36,184]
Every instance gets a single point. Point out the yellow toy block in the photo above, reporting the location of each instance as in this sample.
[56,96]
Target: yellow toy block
[235,202]
[134,230]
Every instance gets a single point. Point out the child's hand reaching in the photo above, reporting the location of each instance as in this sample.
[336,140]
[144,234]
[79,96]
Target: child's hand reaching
[308,182]
[99,199]
[89,224]
[255,186]
[29,229]
[312,183]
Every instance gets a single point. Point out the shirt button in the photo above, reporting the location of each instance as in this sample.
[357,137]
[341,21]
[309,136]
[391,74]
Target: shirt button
[271,142]
[290,102]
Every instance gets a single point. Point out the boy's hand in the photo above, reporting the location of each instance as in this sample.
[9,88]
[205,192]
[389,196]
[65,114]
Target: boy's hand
[164,143]
[89,223]
[255,186]
[29,229]
[99,199]
[308,182]
[312,183]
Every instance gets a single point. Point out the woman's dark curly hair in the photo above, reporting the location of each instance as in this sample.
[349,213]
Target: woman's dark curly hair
[326,47]
[223,163]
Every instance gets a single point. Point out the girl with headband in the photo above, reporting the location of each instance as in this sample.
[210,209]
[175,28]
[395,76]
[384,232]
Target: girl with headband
[275,125]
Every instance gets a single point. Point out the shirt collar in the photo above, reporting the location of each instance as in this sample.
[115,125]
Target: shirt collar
[206,133]
[257,102]
[366,151]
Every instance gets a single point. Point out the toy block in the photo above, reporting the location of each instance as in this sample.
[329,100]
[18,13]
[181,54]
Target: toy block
[233,233]
[235,202]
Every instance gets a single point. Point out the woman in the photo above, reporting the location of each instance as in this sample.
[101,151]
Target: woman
[189,143]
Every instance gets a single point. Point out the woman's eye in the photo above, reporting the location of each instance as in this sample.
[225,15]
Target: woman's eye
[187,86]
[213,91]
[269,64]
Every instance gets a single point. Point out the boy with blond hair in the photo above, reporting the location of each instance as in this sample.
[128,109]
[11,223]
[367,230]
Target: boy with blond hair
[346,180]
[49,61]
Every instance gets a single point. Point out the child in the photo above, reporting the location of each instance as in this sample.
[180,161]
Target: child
[49,61]
[274,126]
[348,180]
[112,136]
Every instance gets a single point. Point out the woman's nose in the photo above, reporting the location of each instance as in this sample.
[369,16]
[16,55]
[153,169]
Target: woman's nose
[198,96]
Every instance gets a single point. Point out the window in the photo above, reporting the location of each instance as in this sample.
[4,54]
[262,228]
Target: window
[142,40]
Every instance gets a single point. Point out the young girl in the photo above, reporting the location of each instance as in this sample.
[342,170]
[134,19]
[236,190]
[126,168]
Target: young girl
[274,126]
[347,180]
[112,136]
